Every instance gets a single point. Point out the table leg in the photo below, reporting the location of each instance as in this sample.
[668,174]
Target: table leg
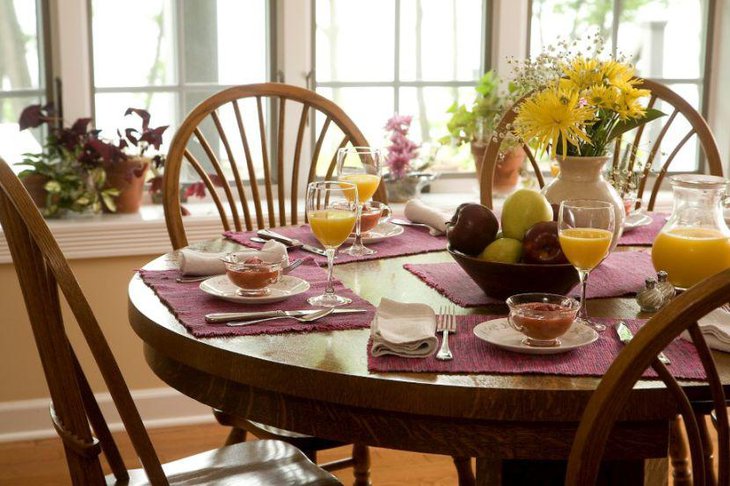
[361,464]
[679,454]
[463,470]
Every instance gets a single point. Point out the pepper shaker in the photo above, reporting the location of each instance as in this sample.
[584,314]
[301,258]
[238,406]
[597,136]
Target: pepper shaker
[650,298]
[665,286]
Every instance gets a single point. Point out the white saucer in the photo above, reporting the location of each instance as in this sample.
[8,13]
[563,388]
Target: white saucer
[636,220]
[381,232]
[502,335]
[287,286]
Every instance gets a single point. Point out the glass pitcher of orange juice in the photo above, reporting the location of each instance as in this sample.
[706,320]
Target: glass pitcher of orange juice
[695,241]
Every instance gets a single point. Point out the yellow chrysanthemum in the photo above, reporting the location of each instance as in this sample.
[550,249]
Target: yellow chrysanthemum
[582,73]
[618,74]
[629,105]
[550,116]
[601,96]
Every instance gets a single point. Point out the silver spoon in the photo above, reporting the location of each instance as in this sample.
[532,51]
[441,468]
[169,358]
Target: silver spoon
[308,318]
[294,264]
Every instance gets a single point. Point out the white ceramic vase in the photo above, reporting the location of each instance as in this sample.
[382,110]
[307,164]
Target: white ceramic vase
[582,178]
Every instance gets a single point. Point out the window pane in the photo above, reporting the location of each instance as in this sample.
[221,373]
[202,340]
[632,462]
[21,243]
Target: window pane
[665,39]
[15,143]
[133,46]
[454,54]
[568,19]
[354,40]
[235,51]
[19,68]
[369,108]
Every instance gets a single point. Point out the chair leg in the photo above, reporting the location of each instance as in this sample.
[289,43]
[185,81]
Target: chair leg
[464,471]
[678,453]
[236,436]
[361,464]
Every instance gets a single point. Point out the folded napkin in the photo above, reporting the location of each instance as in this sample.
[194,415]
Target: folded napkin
[418,212]
[715,328]
[407,330]
[194,262]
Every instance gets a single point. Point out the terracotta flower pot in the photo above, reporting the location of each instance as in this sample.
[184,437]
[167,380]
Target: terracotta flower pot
[507,172]
[35,185]
[128,177]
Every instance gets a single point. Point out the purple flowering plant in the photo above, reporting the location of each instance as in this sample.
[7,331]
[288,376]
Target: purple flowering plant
[402,151]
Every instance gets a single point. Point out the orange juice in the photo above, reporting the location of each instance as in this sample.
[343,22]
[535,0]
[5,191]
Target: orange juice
[366,184]
[689,255]
[585,248]
[332,226]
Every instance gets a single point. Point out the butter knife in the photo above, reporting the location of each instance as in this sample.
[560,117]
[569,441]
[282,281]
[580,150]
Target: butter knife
[242,316]
[271,235]
[625,335]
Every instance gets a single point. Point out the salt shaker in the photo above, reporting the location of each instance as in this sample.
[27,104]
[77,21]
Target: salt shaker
[650,298]
[665,286]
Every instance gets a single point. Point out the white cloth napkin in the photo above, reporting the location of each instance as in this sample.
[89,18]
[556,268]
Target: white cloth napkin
[407,330]
[196,263]
[418,212]
[715,328]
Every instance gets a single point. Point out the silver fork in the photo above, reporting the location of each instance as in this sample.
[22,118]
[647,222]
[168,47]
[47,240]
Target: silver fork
[446,323]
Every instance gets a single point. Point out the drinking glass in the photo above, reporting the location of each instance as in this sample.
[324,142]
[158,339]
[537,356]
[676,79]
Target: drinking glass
[585,229]
[360,166]
[332,212]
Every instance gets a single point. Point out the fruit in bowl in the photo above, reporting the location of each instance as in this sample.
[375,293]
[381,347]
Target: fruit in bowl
[472,228]
[525,256]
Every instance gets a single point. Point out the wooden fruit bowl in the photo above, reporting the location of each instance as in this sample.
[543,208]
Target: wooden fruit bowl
[500,280]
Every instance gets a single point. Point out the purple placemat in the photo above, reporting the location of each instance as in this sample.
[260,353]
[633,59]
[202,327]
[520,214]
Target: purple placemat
[622,273]
[644,235]
[472,355]
[190,304]
[411,242]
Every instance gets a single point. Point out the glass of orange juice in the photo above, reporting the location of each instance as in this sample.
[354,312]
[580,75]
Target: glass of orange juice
[332,212]
[585,230]
[360,166]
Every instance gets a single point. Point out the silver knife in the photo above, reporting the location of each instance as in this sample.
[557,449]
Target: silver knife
[625,335]
[242,316]
[271,235]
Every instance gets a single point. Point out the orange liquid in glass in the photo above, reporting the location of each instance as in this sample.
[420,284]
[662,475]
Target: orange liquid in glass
[366,184]
[585,248]
[690,255]
[332,226]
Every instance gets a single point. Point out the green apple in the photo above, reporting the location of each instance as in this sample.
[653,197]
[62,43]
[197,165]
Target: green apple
[522,209]
[505,250]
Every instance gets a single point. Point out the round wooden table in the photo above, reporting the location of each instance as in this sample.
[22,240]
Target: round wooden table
[319,384]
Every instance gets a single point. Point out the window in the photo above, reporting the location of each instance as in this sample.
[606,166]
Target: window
[174,54]
[412,57]
[666,40]
[22,74]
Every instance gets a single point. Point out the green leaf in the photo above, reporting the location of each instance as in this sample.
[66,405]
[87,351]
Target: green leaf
[626,125]
[52,187]
[109,201]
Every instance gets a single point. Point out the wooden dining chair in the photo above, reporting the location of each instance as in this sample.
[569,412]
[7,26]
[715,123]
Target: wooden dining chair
[679,112]
[42,270]
[252,202]
[260,159]
[609,399]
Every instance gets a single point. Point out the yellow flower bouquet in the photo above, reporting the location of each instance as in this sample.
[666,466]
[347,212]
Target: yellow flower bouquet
[578,104]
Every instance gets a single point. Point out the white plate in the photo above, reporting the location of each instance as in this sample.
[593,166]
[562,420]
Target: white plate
[287,286]
[381,232]
[636,220]
[502,335]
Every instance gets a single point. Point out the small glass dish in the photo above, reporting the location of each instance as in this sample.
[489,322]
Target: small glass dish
[251,274]
[542,317]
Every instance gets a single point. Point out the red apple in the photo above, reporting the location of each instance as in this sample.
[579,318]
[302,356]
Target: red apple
[542,245]
[472,228]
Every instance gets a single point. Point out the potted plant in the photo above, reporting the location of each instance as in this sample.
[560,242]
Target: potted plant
[126,168]
[67,176]
[405,177]
[475,125]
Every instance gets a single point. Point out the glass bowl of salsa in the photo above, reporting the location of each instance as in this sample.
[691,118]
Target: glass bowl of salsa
[252,275]
[542,317]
